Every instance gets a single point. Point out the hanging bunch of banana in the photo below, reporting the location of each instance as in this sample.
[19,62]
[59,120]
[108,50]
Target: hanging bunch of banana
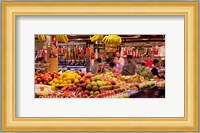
[41,38]
[112,40]
[96,38]
[62,38]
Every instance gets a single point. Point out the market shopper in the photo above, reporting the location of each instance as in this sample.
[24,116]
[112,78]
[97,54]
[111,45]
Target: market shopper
[94,66]
[98,66]
[162,74]
[143,71]
[118,59]
[154,70]
[149,62]
[111,67]
[130,68]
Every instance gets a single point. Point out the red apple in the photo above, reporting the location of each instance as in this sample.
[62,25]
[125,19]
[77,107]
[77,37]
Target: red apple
[70,88]
[74,87]
[86,92]
[79,89]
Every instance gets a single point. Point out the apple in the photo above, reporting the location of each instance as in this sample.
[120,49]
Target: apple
[74,87]
[79,89]
[70,88]
[82,80]
[91,93]
[88,87]
[83,85]
[95,88]
[39,79]
[86,92]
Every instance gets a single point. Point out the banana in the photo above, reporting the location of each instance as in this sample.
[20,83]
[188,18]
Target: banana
[66,38]
[58,37]
[103,40]
[111,39]
[94,38]
[91,38]
[63,38]
[100,37]
[106,39]
[44,39]
[41,38]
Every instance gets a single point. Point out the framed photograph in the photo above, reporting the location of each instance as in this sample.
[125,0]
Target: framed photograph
[53,79]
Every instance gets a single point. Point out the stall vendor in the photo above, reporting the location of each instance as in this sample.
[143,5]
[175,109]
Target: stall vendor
[154,70]
[118,59]
[111,67]
[130,68]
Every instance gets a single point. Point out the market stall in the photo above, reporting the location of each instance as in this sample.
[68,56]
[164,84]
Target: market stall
[63,66]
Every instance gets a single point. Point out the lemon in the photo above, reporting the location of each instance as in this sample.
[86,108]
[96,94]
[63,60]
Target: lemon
[53,88]
[55,79]
[76,81]
[69,81]
[78,76]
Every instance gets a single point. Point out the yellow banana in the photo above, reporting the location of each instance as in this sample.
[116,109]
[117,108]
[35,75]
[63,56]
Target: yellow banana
[103,40]
[66,38]
[100,37]
[63,38]
[39,39]
[58,37]
[106,39]
[43,38]
[111,39]
[94,38]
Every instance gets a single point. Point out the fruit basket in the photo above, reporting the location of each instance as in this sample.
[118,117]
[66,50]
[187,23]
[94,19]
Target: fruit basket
[43,90]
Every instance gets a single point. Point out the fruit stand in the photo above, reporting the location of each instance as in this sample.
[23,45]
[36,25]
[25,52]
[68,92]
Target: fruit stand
[76,84]
[63,64]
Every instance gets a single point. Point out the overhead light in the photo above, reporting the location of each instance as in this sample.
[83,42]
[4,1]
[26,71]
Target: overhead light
[145,39]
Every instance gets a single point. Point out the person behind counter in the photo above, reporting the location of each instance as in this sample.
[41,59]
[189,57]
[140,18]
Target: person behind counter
[162,74]
[149,62]
[118,59]
[97,67]
[130,68]
[111,67]
[154,70]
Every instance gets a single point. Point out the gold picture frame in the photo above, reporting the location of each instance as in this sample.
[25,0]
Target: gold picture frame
[12,9]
